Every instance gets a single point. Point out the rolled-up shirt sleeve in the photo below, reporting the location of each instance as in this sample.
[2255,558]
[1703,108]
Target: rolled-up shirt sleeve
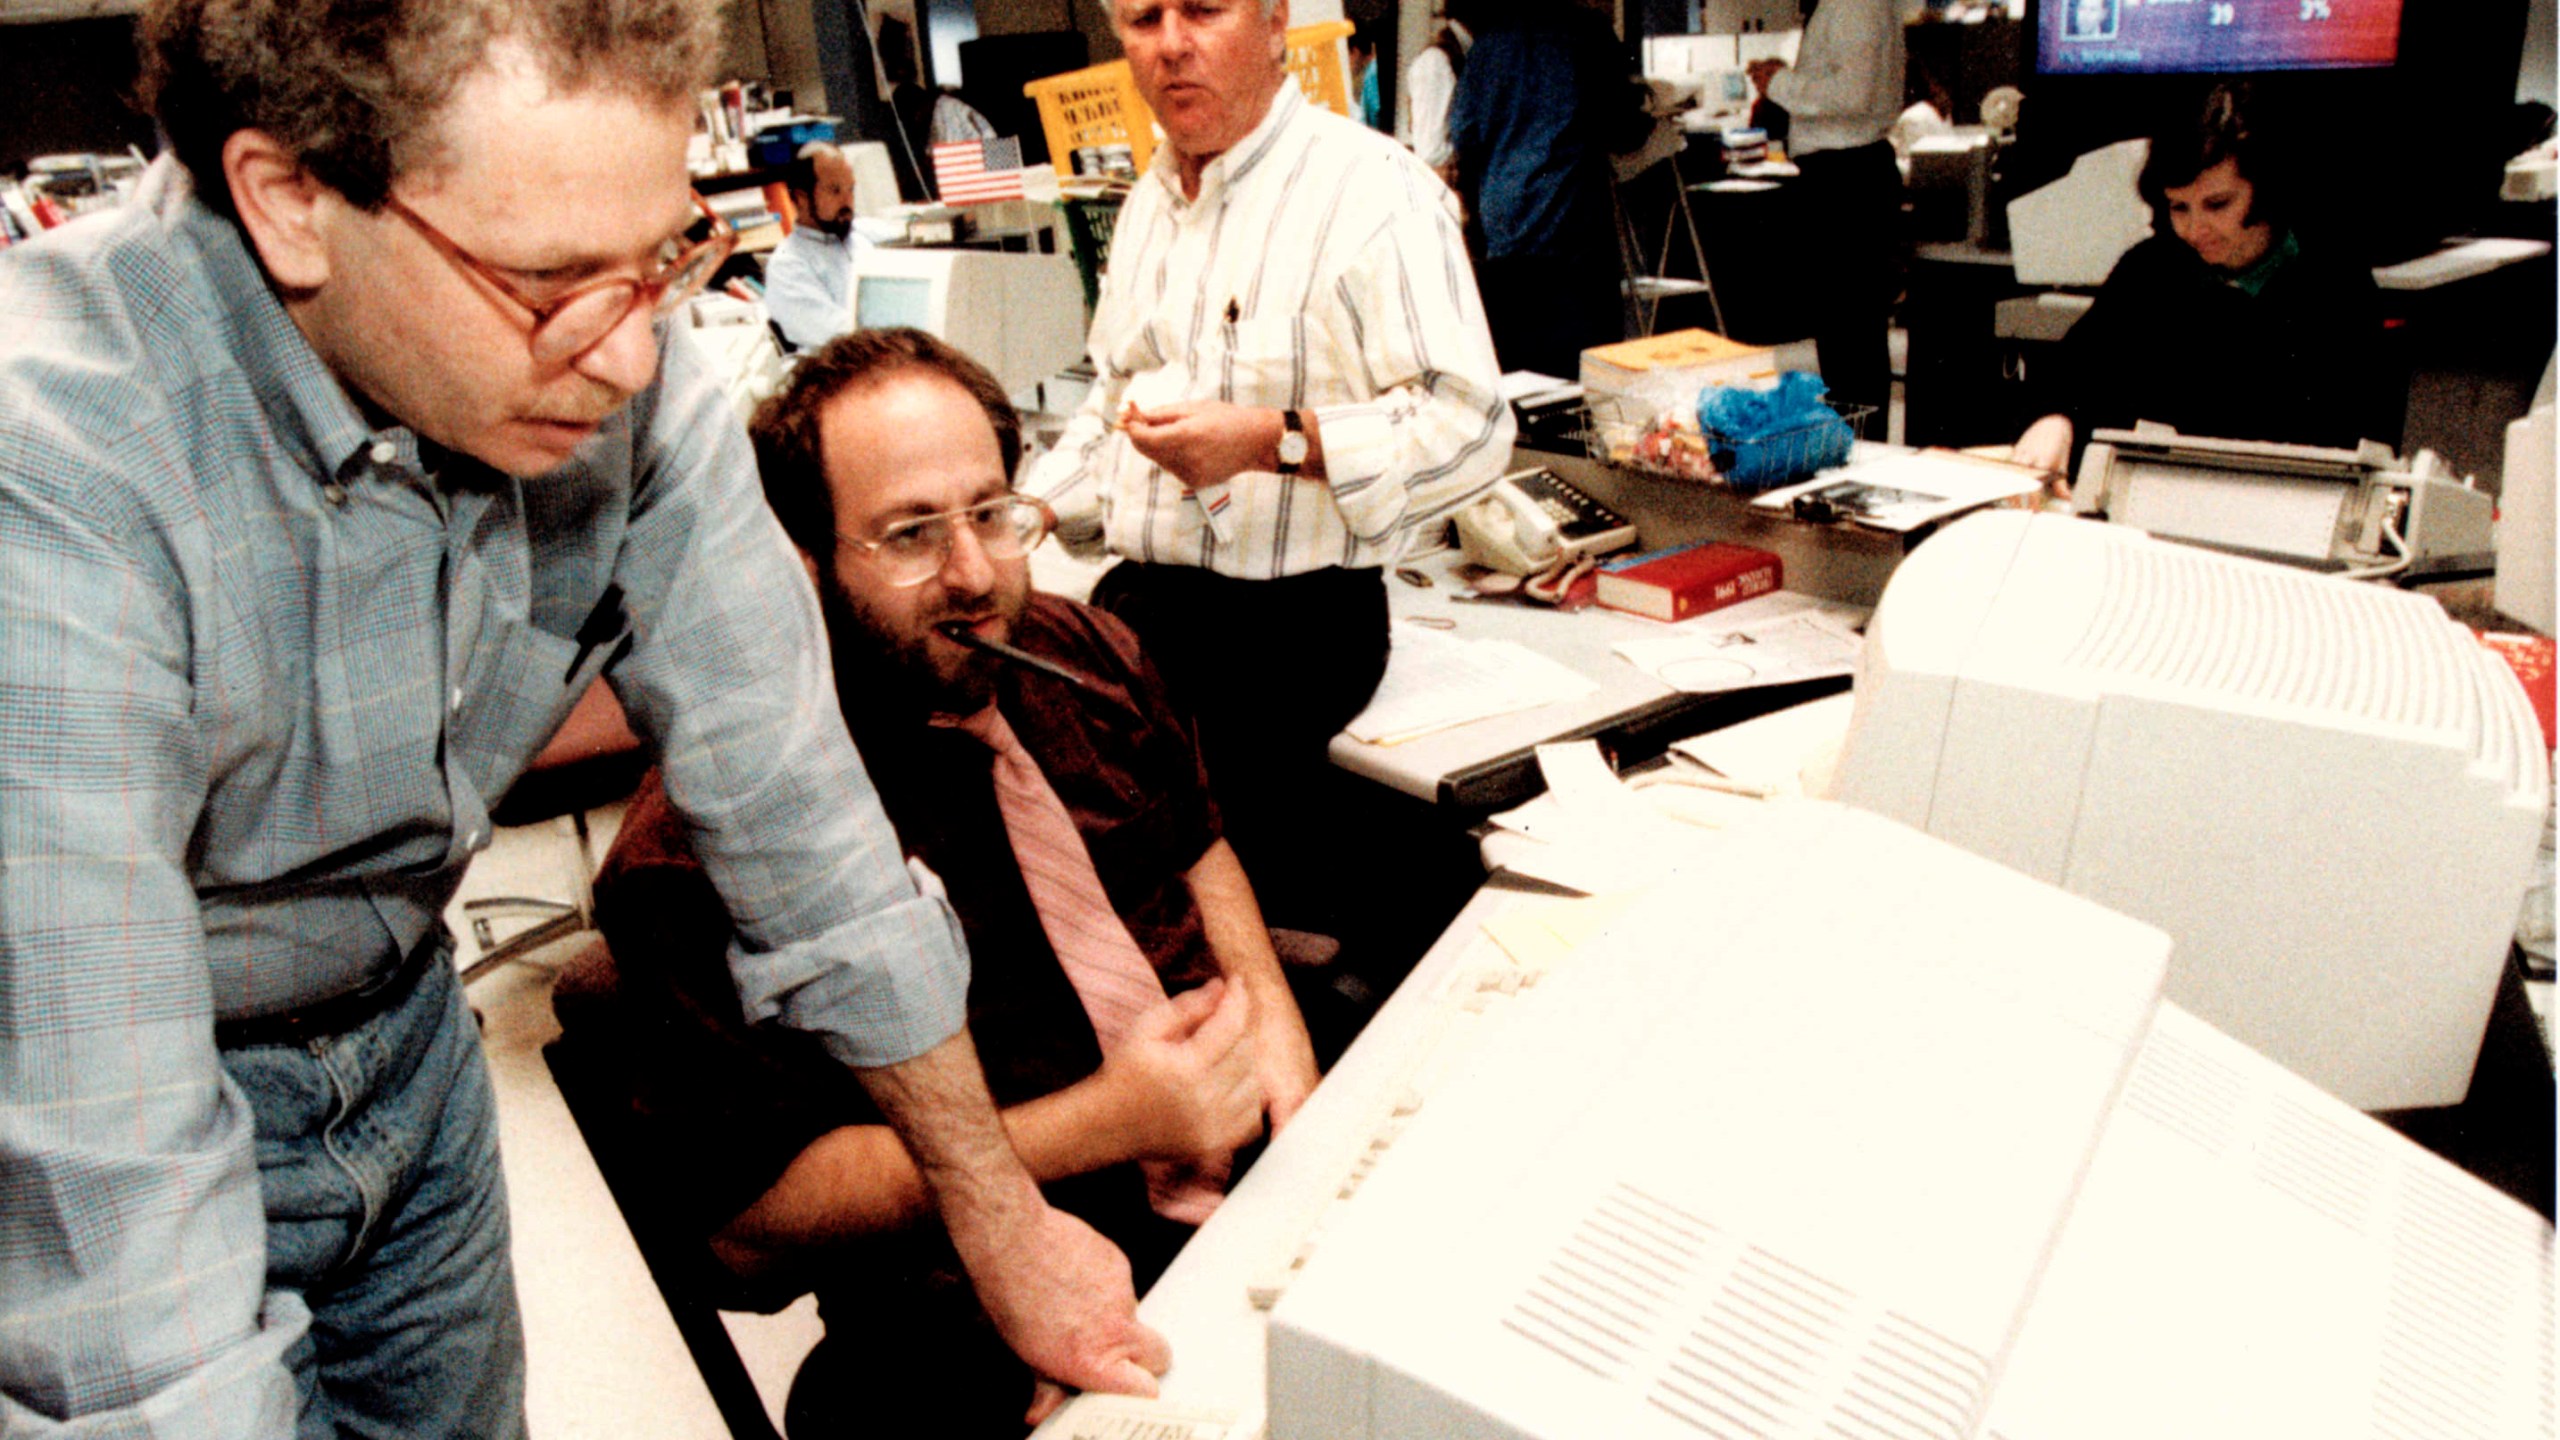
[727,674]
[132,1258]
[1437,432]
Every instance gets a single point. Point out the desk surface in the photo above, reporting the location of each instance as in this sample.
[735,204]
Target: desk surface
[1488,763]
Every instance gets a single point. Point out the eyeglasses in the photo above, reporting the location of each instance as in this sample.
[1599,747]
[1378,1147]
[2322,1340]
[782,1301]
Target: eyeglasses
[568,324]
[914,551]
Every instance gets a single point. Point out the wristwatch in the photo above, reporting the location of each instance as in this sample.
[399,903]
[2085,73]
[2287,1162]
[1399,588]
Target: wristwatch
[1293,442]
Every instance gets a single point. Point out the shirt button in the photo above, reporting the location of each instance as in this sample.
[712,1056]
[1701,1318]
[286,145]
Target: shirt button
[453,702]
[384,452]
[474,840]
[334,493]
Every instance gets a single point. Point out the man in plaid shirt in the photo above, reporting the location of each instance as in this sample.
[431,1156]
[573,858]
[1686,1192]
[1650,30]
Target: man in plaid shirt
[333,469]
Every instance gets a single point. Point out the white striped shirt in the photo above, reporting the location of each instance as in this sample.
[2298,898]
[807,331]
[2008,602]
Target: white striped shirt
[1320,269]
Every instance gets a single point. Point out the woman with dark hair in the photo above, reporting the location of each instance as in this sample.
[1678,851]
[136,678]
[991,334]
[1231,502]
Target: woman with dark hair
[2223,323]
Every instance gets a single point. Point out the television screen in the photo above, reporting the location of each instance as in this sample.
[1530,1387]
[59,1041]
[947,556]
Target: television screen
[2184,37]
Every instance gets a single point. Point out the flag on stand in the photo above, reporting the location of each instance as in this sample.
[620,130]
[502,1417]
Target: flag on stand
[968,171]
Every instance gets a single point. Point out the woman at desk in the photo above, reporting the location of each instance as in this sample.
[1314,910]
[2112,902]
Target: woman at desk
[2224,323]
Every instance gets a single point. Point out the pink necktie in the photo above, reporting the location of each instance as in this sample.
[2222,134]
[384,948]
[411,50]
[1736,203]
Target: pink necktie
[1110,973]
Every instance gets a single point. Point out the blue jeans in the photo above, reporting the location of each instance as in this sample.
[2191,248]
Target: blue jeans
[386,1211]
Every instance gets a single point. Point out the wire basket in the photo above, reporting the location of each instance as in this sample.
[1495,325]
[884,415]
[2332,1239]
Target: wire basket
[1089,225]
[1626,434]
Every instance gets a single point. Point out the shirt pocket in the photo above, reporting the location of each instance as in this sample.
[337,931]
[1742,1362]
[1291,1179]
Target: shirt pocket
[1260,362]
[520,684]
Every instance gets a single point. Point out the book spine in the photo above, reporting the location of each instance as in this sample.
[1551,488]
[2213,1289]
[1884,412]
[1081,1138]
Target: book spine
[1691,600]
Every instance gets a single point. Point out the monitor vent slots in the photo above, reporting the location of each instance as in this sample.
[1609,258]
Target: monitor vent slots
[1600,1301]
[2187,1092]
[2330,1169]
[2270,635]
[2453,1270]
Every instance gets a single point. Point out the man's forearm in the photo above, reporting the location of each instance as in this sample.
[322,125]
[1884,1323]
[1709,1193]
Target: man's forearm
[860,1180]
[939,1106]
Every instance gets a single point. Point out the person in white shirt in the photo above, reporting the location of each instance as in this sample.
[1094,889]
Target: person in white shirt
[808,279]
[1294,385]
[1841,96]
[1429,81]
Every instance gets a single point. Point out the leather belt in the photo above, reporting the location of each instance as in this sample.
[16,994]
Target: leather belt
[334,1016]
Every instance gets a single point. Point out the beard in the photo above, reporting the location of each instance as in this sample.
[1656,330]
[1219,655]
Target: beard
[839,227]
[908,667]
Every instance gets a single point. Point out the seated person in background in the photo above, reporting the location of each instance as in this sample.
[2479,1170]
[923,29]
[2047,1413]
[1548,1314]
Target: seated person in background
[2224,323]
[808,279]
[889,458]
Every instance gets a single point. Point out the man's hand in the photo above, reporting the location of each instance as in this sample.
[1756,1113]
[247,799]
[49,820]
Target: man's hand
[1058,1292]
[1188,1077]
[1048,1296]
[1209,442]
[2046,446]
[1284,1061]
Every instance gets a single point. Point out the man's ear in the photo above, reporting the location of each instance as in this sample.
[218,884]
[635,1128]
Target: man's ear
[278,202]
[1280,37]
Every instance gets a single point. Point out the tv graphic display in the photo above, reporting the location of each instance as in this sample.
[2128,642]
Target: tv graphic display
[2186,37]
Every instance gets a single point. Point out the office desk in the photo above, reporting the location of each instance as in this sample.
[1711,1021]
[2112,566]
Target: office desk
[2469,332]
[1490,764]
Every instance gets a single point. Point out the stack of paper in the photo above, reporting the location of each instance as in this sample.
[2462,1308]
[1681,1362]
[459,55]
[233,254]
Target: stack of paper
[1435,681]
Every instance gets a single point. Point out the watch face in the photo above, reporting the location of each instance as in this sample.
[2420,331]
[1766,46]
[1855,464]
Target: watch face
[1293,447]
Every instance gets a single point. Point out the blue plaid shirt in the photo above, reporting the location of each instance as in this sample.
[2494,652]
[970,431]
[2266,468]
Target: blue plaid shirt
[263,671]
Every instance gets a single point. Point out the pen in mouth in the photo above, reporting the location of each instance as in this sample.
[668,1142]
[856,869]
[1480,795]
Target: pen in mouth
[959,632]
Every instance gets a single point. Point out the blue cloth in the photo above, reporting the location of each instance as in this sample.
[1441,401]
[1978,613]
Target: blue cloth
[378,1155]
[263,670]
[1764,438]
[1371,112]
[1540,107]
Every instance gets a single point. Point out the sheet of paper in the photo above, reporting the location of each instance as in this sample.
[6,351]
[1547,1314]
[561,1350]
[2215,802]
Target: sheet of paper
[1904,492]
[1590,831]
[1768,755]
[1437,680]
[1775,639]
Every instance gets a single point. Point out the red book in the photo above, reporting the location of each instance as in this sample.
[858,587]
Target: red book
[1691,580]
[2530,656]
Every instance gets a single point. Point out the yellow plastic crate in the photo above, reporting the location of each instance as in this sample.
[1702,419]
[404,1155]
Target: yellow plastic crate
[1100,105]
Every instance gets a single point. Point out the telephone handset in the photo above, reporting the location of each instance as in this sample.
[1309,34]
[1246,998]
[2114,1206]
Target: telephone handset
[1532,519]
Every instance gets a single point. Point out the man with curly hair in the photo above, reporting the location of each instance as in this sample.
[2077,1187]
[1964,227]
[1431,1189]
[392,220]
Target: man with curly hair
[333,470]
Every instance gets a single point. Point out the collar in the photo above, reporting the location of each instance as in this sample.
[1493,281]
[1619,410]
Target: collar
[2253,281]
[313,418]
[1237,160]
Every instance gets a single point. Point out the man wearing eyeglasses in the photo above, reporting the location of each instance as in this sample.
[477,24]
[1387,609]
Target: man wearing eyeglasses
[333,469]
[889,459]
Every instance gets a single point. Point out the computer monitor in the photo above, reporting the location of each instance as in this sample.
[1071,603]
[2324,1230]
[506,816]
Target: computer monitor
[2124,37]
[1020,314]
[2327,792]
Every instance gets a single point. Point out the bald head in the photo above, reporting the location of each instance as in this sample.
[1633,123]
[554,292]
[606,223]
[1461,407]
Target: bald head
[822,188]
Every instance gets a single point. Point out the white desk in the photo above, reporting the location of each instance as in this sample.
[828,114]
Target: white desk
[1487,764]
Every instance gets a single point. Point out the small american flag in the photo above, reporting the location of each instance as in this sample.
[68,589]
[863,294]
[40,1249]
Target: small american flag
[969,171]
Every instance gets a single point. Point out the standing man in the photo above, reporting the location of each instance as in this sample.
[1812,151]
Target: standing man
[889,458]
[1295,385]
[808,279]
[1544,101]
[1841,97]
[333,468]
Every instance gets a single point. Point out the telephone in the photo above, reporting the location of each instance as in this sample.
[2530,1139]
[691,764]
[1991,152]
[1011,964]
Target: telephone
[1532,520]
